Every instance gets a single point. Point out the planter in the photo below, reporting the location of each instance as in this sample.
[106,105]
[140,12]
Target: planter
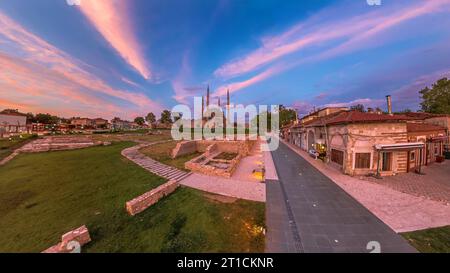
[440,159]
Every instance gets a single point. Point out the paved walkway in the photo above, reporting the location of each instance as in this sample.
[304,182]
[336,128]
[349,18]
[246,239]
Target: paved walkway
[307,212]
[153,166]
[402,212]
[254,191]
[434,184]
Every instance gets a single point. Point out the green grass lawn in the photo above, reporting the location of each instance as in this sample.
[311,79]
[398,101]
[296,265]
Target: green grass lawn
[8,145]
[433,240]
[162,153]
[45,195]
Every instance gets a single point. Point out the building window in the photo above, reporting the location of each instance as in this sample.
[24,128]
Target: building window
[337,156]
[387,161]
[412,156]
[362,161]
[436,149]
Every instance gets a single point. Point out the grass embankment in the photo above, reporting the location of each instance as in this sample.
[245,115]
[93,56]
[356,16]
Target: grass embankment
[433,240]
[45,195]
[162,153]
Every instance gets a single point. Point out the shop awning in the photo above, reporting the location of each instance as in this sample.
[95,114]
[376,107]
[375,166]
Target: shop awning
[399,146]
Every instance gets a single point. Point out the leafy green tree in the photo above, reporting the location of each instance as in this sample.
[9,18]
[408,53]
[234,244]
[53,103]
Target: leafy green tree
[166,117]
[437,99]
[150,118]
[46,118]
[287,115]
[139,120]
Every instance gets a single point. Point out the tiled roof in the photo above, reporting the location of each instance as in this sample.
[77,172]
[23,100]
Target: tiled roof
[12,113]
[363,117]
[423,127]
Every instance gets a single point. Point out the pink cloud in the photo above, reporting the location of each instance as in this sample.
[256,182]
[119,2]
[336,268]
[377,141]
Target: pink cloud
[350,34]
[38,70]
[236,86]
[111,20]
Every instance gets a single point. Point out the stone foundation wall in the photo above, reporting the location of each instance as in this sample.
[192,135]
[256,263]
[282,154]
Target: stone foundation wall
[184,148]
[79,235]
[58,144]
[150,198]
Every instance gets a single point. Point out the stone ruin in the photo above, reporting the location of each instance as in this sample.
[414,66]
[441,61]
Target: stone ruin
[59,143]
[80,236]
[218,158]
[150,198]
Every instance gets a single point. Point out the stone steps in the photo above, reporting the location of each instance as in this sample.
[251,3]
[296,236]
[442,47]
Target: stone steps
[153,166]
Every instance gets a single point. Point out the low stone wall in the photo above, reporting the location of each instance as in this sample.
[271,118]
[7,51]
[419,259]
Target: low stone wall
[70,241]
[201,164]
[150,198]
[58,144]
[208,165]
[184,148]
[224,146]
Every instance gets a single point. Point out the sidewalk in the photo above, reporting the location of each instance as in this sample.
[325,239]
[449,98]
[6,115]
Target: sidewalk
[402,212]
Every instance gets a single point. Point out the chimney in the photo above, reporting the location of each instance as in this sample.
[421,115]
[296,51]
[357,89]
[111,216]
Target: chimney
[389,104]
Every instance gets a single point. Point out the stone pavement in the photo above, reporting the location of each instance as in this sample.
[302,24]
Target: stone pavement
[402,212]
[254,191]
[321,217]
[434,184]
[153,166]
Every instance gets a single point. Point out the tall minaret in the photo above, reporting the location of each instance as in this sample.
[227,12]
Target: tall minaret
[228,103]
[207,96]
[203,105]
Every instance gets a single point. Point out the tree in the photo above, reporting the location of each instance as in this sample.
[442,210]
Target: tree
[46,118]
[166,117]
[437,99]
[287,115]
[150,118]
[139,120]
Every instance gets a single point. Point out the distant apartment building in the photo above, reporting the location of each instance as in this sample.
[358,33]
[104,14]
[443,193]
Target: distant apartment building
[119,124]
[87,123]
[101,123]
[82,123]
[13,122]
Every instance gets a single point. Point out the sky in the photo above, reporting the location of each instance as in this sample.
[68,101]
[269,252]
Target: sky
[125,58]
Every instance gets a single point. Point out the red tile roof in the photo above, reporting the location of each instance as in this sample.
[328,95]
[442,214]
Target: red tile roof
[423,127]
[363,117]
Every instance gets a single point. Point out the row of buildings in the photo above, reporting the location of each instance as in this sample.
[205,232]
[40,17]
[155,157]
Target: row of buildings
[12,122]
[371,143]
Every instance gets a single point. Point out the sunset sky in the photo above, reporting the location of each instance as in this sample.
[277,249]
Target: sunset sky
[109,58]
